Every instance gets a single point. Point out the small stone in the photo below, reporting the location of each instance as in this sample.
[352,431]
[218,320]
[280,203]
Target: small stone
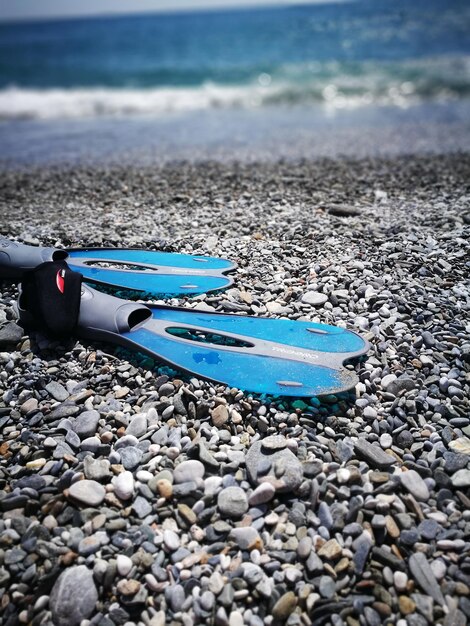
[123,564]
[187,514]
[130,457]
[124,485]
[284,606]
[219,415]
[263,493]
[327,587]
[128,587]
[141,507]
[171,540]
[413,482]
[73,596]
[247,538]
[386,441]
[460,445]
[87,492]
[424,576]
[57,391]
[86,423]
[387,381]
[314,298]
[330,550]
[177,597]
[10,334]
[96,469]
[343,210]
[188,471]
[164,488]
[274,442]
[406,605]
[232,501]
[461,479]
[137,426]
[400,580]
[373,454]
[305,547]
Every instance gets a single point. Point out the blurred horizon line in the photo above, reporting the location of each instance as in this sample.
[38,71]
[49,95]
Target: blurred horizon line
[231,5]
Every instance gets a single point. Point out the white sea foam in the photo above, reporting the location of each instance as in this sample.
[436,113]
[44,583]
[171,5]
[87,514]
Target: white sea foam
[330,84]
[77,103]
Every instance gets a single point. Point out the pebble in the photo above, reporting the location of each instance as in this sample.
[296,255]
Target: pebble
[373,454]
[232,502]
[87,492]
[461,479]
[262,494]
[353,507]
[123,485]
[285,471]
[219,415]
[73,596]
[247,538]
[413,482]
[187,471]
[86,423]
[285,606]
[123,564]
[314,298]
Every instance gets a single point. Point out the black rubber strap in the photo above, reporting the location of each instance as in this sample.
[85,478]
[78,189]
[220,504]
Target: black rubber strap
[51,295]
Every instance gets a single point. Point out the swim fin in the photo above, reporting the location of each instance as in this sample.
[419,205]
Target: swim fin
[145,271]
[262,355]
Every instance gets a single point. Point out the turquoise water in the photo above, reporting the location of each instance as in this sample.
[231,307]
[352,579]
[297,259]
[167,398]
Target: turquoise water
[341,55]
[358,77]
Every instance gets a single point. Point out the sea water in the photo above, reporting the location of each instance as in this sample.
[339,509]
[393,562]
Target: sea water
[302,80]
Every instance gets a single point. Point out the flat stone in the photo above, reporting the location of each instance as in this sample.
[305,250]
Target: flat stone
[57,391]
[413,482]
[314,298]
[460,445]
[330,550]
[86,423]
[461,479]
[141,507]
[137,426]
[96,469]
[274,442]
[87,492]
[285,606]
[130,457]
[188,471]
[263,493]
[424,576]
[232,501]
[247,537]
[284,470]
[343,210]
[73,597]
[10,334]
[219,415]
[373,454]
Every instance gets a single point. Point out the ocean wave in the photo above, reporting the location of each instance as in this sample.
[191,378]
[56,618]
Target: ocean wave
[332,85]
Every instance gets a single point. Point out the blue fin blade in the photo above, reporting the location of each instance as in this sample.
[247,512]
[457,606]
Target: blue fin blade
[152,282]
[152,272]
[250,372]
[153,257]
[309,335]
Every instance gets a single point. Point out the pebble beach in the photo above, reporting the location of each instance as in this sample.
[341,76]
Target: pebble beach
[137,496]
